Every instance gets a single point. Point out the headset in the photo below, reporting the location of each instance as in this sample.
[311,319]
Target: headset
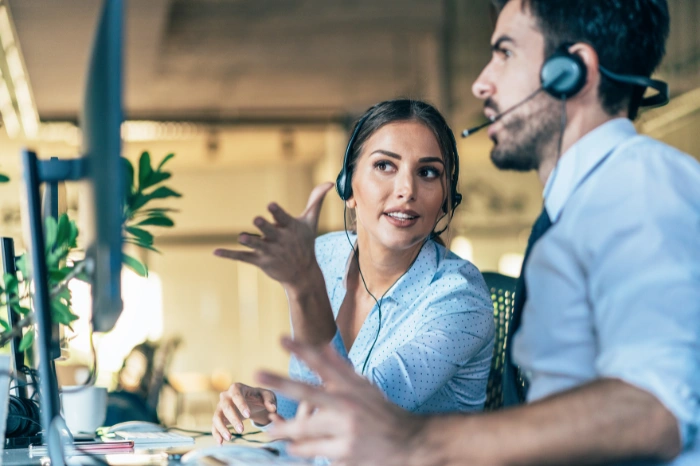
[343,184]
[563,75]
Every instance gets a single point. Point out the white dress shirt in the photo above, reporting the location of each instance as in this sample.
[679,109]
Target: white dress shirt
[614,285]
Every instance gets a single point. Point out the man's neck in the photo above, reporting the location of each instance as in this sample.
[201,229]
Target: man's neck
[578,125]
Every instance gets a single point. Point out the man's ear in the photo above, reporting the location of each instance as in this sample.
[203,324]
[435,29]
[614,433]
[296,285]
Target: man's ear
[590,59]
[350,203]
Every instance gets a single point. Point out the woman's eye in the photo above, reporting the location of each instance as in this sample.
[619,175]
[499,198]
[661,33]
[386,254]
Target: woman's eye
[429,172]
[383,166]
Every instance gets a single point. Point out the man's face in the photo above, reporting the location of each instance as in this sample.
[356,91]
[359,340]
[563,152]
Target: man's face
[524,136]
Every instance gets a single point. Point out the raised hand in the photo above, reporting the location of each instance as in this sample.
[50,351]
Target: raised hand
[285,250]
[238,403]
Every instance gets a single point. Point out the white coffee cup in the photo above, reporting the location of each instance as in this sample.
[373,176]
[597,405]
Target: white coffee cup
[84,408]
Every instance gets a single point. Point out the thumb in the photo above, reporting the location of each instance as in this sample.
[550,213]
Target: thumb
[313,207]
[269,400]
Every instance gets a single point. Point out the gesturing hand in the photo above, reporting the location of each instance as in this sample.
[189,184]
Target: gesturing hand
[241,402]
[352,422]
[285,251]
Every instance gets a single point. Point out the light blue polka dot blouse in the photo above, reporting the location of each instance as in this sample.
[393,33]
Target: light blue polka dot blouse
[436,339]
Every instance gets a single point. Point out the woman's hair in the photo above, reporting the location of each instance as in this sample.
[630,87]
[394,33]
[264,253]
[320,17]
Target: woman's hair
[392,111]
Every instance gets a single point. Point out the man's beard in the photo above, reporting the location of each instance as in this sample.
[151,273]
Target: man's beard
[528,136]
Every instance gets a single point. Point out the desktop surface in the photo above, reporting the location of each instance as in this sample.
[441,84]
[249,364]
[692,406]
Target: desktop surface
[149,455]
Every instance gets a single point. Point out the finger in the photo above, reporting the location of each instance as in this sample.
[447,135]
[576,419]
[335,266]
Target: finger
[216,435]
[252,241]
[269,401]
[323,424]
[233,417]
[326,362]
[304,410]
[219,425]
[282,218]
[274,417]
[313,206]
[243,256]
[268,229]
[239,401]
[328,447]
[296,390]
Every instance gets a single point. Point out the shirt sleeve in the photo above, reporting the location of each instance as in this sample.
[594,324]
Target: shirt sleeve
[645,291]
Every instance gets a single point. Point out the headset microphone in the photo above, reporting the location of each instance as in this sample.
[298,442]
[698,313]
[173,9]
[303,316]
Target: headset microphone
[470,131]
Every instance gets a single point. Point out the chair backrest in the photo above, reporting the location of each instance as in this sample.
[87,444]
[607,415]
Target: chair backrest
[502,289]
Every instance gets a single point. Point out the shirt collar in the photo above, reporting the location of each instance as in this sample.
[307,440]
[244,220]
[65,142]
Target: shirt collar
[581,160]
[418,276]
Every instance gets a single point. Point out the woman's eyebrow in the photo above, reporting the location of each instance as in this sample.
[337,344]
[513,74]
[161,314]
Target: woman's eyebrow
[396,156]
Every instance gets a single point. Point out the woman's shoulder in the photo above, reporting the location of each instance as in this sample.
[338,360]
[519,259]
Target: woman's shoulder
[332,247]
[455,275]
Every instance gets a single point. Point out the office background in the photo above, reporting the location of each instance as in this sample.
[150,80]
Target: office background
[256,98]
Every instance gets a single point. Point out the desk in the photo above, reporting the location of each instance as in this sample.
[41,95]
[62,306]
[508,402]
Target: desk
[145,456]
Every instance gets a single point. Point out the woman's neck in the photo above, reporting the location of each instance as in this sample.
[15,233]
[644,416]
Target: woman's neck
[382,267]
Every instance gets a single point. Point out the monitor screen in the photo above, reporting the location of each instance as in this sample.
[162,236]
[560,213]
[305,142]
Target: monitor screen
[100,121]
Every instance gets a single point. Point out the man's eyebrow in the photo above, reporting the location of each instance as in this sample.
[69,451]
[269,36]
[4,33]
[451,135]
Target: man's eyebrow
[497,45]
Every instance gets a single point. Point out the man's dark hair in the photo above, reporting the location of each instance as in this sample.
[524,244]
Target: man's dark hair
[628,35]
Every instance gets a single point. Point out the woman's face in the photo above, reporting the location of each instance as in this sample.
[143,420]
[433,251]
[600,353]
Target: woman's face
[398,185]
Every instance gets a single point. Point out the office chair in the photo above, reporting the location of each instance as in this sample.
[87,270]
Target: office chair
[502,289]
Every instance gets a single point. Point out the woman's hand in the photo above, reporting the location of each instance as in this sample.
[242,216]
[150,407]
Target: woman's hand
[285,251]
[241,402]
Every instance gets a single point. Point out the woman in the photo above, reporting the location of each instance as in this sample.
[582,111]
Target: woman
[411,316]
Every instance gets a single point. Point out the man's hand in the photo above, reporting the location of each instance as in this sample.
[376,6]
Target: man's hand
[238,403]
[352,422]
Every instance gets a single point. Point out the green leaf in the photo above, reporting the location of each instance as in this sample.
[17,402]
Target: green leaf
[145,170]
[141,245]
[63,234]
[50,233]
[5,325]
[61,313]
[128,177]
[142,235]
[159,221]
[10,283]
[162,193]
[5,178]
[158,177]
[157,210]
[135,265]
[162,162]
[23,266]
[27,340]
[22,310]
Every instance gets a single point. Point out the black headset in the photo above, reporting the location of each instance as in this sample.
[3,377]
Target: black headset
[343,184]
[563,75]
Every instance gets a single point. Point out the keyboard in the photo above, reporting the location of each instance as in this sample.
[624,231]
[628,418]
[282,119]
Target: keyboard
[149,438]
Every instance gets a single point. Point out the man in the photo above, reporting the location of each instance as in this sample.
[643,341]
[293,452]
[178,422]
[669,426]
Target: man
[610,332]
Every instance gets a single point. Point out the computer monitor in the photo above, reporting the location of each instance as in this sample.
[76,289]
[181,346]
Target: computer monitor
[100,122]
[102,167]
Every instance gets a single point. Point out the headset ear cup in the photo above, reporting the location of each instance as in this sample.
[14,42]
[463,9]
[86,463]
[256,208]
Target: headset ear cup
[563,75]
[340,185]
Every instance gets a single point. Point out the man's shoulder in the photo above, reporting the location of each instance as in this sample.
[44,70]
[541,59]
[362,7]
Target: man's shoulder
[643,174]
